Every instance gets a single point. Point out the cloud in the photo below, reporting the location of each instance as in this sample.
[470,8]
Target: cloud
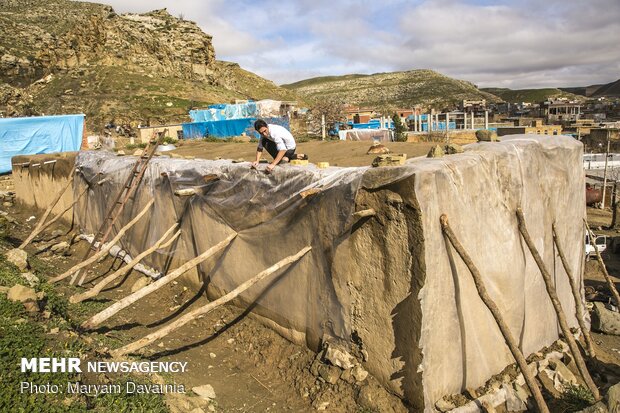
[514,44]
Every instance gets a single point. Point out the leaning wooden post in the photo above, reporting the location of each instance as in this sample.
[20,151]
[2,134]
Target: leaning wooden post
[490,304]
[610,283]
[192,315]
[76,298]
[47,212]
[144,291]
[57,217]
[580,314]
[104,250]
[557,305]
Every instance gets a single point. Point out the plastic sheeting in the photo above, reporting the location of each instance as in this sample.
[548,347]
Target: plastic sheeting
[383,135]
[389,281]
[227,128]
[262,109]
[38,135]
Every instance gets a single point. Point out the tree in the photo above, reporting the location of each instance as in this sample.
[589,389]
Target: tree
[400,134]
[331,108]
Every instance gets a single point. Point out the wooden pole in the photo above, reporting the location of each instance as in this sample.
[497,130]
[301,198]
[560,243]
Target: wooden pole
[132,298]
[610,283]
[364,213]
[76,298]
[490,304]
[35,233]
[192,315]
[557,305]
[105,249]
[47,212]
[579,313]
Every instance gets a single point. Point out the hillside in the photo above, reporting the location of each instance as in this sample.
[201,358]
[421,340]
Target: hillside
[405,89]
[62,56]
[530,95]
[611,89]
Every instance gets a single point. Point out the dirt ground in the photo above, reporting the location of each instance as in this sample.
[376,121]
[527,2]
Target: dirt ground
[251,368]
[337,153]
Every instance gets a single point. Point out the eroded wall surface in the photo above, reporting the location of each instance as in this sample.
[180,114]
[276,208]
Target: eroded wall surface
[386,284]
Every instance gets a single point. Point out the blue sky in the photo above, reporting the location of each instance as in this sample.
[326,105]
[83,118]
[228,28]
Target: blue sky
[515,44]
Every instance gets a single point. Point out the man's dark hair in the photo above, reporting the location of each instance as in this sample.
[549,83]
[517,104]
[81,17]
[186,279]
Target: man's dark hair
[260,124]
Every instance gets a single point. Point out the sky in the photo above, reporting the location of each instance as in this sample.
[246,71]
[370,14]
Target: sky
[515,44]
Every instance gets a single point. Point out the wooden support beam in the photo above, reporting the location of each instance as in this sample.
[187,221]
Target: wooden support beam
[105,249]
[76,298]
[192,315]
[47,212]
[132,298]
[364,213]
[610,283]
[579,312]
[530,380]
[557,306]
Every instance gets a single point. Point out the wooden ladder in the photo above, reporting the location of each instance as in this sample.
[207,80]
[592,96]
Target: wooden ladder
[131,185]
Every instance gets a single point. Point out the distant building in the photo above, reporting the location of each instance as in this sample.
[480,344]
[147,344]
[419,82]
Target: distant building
[537,128]
[560,111]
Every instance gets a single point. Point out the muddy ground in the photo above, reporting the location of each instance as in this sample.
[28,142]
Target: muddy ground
[251,368]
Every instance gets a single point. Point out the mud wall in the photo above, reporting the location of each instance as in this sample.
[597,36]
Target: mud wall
[39,178]
[386,284]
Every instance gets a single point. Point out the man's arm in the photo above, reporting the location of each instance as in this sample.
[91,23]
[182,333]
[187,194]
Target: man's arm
[277,159]
[259,152]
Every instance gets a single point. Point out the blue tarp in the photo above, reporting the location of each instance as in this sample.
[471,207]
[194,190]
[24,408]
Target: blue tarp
[35,135]
[227,128]
[224,112]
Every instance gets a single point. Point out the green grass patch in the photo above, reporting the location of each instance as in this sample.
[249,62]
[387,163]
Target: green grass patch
[576,398]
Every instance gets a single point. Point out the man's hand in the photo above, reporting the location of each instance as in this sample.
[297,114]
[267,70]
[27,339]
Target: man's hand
[270,168]
[254,164]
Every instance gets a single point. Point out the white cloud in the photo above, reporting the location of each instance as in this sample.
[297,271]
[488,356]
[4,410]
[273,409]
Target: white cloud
[515,44]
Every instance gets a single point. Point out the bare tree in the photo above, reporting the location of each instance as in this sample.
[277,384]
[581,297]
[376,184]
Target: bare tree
[331,108]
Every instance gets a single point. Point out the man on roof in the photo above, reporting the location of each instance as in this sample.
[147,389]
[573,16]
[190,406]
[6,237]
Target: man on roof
[279,143]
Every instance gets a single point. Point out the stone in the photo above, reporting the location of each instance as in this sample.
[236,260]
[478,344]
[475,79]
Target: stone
[514,403]
[205,391]
[18,257]
[338,356]
[546,378]
[32,279]
[435,152]
[322,406]
[564,374]
[22,294]
[359,373]
[140,283]
[452,148]
[7,204]
[330,374]
[444,405]
[604,320]
[60,248]
[138,152]
[212,355]
[613,398]
[486,136]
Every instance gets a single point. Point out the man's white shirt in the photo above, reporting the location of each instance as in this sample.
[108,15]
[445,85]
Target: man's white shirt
[280,136]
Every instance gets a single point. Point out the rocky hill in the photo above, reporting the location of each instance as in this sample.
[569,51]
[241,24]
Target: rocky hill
[611,89]
[426,88]
[531,95]
[61,56]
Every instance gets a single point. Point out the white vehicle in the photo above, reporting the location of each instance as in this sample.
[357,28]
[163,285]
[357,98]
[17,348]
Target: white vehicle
[601,245]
